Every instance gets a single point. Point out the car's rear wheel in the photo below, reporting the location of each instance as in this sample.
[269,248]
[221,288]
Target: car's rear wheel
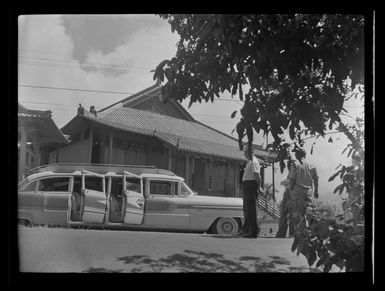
[227,226]
[24,222]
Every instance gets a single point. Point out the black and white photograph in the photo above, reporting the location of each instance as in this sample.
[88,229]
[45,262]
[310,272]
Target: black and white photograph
[194,143]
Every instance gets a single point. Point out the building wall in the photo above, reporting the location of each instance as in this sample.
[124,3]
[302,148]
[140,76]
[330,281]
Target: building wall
[73,153]
[133,149]
[52,157]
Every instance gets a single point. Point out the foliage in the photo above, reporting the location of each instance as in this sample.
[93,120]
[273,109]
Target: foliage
[329,242]
[290,70]
[339,240]
[293,73]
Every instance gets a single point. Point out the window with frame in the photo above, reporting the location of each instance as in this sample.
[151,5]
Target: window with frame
[31,187]
[116,185]
[54,184]
[163,187]
[133,184]
[77,187]
[94,183]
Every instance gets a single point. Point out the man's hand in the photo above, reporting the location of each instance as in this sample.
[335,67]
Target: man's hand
[316,194]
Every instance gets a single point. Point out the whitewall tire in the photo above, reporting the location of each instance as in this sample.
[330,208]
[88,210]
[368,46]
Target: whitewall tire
[227,226]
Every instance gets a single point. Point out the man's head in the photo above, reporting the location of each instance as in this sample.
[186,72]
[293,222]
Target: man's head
[300,153]
[247,151]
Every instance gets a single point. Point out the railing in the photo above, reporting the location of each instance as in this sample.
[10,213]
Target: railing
[269,206]
[229,189]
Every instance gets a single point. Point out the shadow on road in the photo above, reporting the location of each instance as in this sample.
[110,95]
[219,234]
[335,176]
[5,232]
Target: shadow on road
[203,262]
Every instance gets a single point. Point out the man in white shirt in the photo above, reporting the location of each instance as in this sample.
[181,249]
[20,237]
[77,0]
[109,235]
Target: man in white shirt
[251,182]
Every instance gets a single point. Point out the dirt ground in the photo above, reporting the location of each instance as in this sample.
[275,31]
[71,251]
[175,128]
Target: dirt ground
[82,251]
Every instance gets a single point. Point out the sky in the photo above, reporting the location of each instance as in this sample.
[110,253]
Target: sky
[64,60]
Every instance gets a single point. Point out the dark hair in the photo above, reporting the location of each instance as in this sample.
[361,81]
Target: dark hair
[300,152]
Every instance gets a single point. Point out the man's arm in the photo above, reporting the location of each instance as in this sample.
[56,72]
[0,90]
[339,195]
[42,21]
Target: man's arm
[292,176]
[315,181]
[257,178]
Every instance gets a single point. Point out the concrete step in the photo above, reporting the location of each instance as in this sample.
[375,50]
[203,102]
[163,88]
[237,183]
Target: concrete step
[268,228]
[262,214]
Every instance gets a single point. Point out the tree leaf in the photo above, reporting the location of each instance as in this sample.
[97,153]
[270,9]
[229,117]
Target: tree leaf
[311,256]
[295,244]
[240,92]
[334,176]
[233,114]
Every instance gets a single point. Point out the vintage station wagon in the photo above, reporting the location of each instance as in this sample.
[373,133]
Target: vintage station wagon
[116,196]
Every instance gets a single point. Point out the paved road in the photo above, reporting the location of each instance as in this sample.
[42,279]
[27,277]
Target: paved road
[74,250]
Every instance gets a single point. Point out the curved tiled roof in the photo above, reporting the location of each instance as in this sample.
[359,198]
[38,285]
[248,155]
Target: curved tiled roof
[185,135]
[42,122]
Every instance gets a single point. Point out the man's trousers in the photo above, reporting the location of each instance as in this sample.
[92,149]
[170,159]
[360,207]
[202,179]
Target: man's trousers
[250,192]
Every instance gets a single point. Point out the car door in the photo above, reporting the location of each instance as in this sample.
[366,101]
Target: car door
[134,199]
[56,193]
[93,191]
[76,202]
[115,199]
[24,201]
[164,207]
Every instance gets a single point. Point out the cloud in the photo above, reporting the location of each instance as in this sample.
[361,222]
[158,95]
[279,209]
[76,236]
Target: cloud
[100,41]
[46,58]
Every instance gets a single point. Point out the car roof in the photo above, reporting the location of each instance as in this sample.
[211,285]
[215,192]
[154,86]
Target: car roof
[103,169]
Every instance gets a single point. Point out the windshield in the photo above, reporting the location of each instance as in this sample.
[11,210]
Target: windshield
[186,190]
[22,184]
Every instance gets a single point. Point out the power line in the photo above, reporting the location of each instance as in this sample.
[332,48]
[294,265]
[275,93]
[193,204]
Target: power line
[73,89]
[74,67]
[85,56]
[126,93]
[67,61]
[99,91]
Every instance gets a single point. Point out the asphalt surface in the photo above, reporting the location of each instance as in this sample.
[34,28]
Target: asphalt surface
[81,251]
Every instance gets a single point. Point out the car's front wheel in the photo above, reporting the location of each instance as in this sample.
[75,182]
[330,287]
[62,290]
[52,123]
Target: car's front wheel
[227,226]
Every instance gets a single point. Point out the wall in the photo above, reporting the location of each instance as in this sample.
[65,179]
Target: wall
[73,153]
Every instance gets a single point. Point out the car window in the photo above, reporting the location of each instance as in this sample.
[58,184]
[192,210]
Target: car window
[77,184]
[133,184]
[116,185]
[31,187]
[55,184]
[162,188]
[185,190]
[94,183]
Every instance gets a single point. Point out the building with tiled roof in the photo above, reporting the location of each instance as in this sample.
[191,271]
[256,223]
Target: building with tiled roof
[141,129]
[36,132]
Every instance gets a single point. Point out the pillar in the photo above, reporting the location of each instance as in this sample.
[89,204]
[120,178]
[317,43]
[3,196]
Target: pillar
[169,166]
[193,182]
[236,179]
[36,151]
[272,179]
[210,181]
[111,140]
[187,169]
[22,154]
[57,152]
[90,144]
